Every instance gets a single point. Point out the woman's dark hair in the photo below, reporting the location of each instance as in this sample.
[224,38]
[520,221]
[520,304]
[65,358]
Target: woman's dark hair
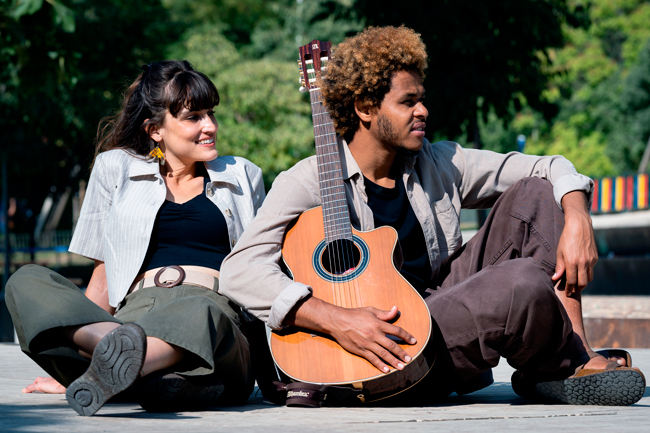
[168,85]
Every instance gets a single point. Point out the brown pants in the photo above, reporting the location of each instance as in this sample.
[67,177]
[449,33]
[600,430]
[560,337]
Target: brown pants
[495,297]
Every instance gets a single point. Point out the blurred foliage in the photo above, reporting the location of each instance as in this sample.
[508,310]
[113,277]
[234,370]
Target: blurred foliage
[571,75]
[278,27]
[62,67]
[484,56]
[600,81]
[262,115]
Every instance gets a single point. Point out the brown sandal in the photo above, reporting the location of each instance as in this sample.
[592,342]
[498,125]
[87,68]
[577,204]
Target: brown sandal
[611,386]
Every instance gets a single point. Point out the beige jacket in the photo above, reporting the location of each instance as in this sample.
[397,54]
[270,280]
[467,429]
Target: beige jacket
[451,178]
[124,195]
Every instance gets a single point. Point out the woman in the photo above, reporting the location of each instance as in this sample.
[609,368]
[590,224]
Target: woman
[161,212]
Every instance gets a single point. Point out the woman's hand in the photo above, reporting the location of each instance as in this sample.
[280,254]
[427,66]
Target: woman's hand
[46,385]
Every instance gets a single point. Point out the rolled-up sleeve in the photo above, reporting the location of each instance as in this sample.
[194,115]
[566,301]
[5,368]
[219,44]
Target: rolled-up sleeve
[251,274]
[285,301]
[573,182]
[88,236]
[484,175]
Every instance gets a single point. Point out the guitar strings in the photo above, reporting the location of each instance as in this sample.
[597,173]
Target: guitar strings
[334,240]
[340,249]
[323,181]
[327,185]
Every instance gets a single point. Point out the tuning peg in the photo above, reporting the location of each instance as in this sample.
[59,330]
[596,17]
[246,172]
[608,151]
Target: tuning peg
[303,89]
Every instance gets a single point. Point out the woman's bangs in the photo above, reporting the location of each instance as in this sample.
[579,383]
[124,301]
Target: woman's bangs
[191,90]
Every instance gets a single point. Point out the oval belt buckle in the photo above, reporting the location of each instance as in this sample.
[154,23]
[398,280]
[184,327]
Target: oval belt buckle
[176,282]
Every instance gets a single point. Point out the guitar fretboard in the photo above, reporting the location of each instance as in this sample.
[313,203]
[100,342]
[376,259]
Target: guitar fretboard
[336,217]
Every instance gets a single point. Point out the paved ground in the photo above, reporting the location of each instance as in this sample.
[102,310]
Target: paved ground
[496,408]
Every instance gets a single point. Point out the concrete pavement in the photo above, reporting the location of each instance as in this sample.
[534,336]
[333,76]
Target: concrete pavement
[496,408]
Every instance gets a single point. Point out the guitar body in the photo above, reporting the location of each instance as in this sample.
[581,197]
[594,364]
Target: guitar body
[372,281]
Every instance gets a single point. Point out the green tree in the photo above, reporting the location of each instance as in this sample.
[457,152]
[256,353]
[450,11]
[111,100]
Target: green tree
[262,116]
[62,68]
[262,28]
[297,22]
[597,80]
[597,90]
[635,101]
[485,57]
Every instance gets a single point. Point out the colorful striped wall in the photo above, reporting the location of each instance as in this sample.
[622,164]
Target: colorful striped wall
[621,193]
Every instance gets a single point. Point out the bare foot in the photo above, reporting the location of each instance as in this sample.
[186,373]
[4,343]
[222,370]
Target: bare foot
[46,385]
[599,362]
[619,360]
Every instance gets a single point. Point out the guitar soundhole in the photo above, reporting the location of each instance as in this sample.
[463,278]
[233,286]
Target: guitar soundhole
[342,260]
[341,257]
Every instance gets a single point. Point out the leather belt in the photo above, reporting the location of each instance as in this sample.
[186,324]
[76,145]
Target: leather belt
[172,276]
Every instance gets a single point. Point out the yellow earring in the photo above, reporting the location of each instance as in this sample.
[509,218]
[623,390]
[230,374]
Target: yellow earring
[157,153]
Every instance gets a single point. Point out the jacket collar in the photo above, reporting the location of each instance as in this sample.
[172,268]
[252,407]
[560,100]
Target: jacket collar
[350,167]
[143,167]
[218,169]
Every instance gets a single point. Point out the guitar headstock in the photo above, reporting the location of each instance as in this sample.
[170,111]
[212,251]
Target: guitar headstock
[313,62]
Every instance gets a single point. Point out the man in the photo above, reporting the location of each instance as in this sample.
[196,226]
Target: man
[512,291]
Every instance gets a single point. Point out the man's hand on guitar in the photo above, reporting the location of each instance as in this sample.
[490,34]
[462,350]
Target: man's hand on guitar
[362,331]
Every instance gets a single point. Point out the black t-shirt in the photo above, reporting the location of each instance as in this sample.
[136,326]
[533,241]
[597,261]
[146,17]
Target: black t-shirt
[192,233]
[390,207]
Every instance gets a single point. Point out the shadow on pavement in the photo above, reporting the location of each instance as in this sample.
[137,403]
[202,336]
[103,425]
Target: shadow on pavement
[13,417]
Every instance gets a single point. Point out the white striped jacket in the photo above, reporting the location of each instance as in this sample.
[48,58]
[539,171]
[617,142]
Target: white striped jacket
[124,195]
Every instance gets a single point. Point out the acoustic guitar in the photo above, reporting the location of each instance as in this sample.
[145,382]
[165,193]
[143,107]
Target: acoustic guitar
[344,267]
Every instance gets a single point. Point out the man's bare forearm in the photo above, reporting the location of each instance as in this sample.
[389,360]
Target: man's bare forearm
[575,202]
[576,252]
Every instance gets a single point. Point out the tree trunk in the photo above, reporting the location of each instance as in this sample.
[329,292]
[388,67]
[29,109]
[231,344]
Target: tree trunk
[646,158]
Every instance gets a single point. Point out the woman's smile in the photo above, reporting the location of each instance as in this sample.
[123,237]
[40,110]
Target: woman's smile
[207,142]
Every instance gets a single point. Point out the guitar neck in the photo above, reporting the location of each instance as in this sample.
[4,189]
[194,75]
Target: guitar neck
[336,217]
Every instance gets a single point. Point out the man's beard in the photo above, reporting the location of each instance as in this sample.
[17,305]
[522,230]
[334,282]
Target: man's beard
[387,132]
[388,135]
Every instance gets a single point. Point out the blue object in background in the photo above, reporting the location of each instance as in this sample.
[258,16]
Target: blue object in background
[521,142]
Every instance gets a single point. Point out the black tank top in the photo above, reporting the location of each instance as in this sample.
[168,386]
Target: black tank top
[192,233]
[390,207]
